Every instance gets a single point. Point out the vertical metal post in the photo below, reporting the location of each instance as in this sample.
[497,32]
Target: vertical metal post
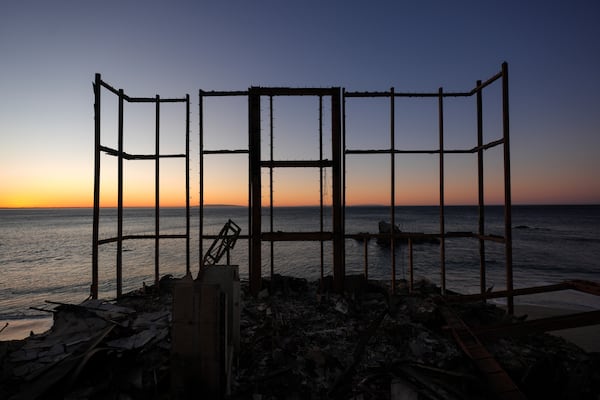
[343,151]
[339,269]
[507,191]
[187,184]
[157,194]
[271,183]
[96,215]
[201,178]
[255,190]
[482,268]
[366,249]
[410,266]
[442,217]
[393,189]
[120,198]
[321,179]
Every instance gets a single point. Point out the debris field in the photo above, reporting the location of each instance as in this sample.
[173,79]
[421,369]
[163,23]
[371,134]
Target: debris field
[299,340]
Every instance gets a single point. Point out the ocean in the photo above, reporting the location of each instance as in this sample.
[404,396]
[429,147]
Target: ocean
[45,254]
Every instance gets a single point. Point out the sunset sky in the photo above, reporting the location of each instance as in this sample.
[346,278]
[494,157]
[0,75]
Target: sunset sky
[50,51]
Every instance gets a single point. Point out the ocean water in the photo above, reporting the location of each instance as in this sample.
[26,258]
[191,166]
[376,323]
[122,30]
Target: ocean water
[45,254]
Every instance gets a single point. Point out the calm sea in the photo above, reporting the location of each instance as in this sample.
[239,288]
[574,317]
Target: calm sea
[45,254]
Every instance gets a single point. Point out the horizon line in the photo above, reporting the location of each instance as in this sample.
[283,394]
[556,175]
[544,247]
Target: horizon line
[303,205]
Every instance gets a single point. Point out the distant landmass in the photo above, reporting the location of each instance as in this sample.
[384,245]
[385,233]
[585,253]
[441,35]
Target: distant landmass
[220,205]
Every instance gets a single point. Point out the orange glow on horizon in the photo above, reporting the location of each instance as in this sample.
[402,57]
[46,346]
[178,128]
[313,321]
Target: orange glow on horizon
[294,193]
[45,194]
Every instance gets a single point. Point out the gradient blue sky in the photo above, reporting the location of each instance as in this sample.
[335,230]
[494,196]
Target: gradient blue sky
[50,51]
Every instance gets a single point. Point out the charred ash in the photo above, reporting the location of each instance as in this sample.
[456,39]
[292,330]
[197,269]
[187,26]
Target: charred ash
[299,340]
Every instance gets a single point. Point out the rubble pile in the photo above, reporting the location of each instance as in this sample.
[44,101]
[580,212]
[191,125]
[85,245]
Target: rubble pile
[95,350]
[299,340]
[310,345]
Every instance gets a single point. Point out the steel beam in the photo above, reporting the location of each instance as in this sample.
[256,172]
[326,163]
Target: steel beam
[201,152]
[507,191]
[119,274]
[540,325]
[157,195]
[297,236]
[392,190]
[255,190]
[441,177]
[187,184]
[96,216]
[497,378]
[339,268]
[480,191]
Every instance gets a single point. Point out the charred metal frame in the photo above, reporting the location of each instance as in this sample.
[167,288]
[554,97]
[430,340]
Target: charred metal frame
[256,164]
[442,234]
[340,152]
[469,338]
[337,164]
[219,152]
[121,156]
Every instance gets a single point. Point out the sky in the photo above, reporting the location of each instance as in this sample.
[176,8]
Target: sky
[50,52]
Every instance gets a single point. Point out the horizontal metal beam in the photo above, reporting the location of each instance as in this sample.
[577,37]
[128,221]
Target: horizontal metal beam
[150,156]
[110,88]
[390,151]
[242,151]
[585,286]
[296,236]
[421,235]
[286,91]
[489,145]
[549,324]
[426,94]
[471,150]
[465,298]
[222,93]
[486,83]
[142,99]
[217,236]
[137,237]
[296,163]
[455,234]
[492,238]
[400,235]
[406,94]
[127,156]
[154,100]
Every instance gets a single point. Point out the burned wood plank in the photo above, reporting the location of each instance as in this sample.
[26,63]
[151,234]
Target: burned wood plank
[497,378]
[538,325]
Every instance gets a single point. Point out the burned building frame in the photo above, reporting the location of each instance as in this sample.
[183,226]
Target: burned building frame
[335,163]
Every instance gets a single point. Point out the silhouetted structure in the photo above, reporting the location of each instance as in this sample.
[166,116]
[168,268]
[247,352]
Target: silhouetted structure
[121,156]
[335,162]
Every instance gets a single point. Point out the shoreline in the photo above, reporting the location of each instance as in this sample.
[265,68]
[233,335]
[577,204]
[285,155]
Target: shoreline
[18,329]
[585,337]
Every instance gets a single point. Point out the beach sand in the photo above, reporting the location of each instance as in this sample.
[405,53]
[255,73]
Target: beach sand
[21,328]
[586,337]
